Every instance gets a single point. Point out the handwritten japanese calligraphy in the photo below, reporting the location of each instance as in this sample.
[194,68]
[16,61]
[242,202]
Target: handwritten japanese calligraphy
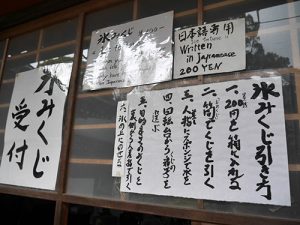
[223,141]
[34,127]
[120,139]
[134,53]
[210,48]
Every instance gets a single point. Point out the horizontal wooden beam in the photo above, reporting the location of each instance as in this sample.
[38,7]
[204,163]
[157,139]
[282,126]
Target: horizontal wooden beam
[184,213]
[95,93]
[105,92]
[294,116]
[294,167]
[8,81]
[58,46]
[185,13]
[28,192]
[5,105]
[21,55]
[95,126]
[91,161]
[48,48]
[221,4]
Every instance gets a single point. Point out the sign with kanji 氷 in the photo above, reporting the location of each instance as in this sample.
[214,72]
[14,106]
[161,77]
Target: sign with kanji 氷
[222,141]
[134,53]
[33,133]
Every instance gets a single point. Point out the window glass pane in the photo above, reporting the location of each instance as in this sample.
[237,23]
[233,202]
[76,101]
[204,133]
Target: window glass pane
[211,2]
[111,16]
[289,94]
[293,142]
[264,210]
[269,51]
[3,116]
[22,64]
[23,44]
[224,10]
[101,109]
[22,211]
[273,16]
[79,215]
[6,92]
[92,180]
[153,7]
[265,48]
[2,45]
[185,21]
[56,56]
[59,33]
[93,144]
[296,5]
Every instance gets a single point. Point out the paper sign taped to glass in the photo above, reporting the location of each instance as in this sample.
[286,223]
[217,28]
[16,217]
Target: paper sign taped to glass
[210,48]
[222,141]
[33,132]
[134,53]
[120,139]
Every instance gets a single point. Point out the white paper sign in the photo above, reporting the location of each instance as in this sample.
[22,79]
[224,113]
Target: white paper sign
[33,130]
[134,53]
[211,48]
[120,139]
[223,141]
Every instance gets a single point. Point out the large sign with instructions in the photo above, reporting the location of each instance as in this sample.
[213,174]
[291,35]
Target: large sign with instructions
[223,141]
[33,130]
[134,53]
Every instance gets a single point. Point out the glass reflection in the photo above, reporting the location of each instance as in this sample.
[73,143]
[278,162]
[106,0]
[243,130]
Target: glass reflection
[130,55]
[293,142]
[89,112]
[59,68]
[296,11]
[271,31]
[86,144]
[23,44]
[58,63]
[271,17]
[266,50]
[53,35]
[14,66]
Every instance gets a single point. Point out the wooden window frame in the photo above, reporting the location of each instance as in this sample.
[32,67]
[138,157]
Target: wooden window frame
[59,196]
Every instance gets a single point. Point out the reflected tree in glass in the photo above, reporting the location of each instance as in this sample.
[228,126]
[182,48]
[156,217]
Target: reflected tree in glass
[257,57]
